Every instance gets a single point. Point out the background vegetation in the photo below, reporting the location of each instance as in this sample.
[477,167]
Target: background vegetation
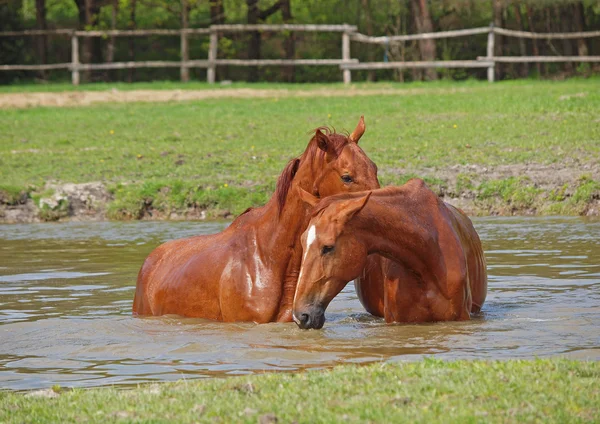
[376,17]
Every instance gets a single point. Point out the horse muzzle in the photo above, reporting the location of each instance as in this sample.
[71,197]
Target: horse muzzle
[312,317]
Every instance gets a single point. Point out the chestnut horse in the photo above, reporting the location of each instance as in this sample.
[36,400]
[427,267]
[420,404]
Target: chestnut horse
[249,271]
[436,269]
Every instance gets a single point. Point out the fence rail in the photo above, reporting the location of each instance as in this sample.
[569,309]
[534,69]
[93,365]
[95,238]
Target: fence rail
[346,63]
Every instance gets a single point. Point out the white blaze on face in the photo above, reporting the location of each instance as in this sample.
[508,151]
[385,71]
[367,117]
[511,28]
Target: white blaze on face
[310,239]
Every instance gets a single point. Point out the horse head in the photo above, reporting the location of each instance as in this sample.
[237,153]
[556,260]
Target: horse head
[331,257]
[346,166]
[332,163]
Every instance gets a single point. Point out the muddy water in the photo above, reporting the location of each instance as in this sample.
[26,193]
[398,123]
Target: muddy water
[66,293]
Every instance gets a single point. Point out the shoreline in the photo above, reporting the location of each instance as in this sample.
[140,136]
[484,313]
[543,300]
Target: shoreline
[509,190]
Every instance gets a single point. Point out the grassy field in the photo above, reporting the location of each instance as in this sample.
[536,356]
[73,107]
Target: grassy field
[511,147]
[429,391]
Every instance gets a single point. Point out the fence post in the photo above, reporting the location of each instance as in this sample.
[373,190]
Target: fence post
[346,56]
[74,59]
[185,56]
[212,56]
[490,54]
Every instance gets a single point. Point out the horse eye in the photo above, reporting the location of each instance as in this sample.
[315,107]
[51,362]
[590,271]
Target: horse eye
[326,249]
[347,179]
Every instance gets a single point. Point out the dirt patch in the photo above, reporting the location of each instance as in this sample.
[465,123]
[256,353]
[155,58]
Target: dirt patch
[74,202]
[547,176]
[85,98]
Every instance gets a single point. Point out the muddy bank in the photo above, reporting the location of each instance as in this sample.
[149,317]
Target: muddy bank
[523,189]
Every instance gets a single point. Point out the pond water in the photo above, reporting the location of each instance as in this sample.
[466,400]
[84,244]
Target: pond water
[66,292]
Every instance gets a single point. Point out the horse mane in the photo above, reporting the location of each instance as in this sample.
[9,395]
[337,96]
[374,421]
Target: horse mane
[314,154]
[337,142]
[284,182]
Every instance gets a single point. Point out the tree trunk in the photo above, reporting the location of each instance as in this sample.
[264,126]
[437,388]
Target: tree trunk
[415,54]
[254,43]
[110,50]
[217,17]
[534,43]
[424,24]
[92,46]
[88,11]
[579,23]
[548,42]
[498,8]
[185,52]
[563,19]
[42,40]
[522,45]
[289,45]
[217,12]
[366,5]
[131,25]
[254,16]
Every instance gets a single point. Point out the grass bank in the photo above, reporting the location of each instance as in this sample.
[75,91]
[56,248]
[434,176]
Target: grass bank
[428,391]
[524,147]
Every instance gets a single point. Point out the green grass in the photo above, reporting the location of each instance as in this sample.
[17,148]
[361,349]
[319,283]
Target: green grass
[200,146]
[429,391]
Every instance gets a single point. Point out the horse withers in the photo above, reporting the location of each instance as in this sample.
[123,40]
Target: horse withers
[249,271]
[436,269]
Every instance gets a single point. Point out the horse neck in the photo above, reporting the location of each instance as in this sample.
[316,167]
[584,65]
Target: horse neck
[390,226]
[281,229]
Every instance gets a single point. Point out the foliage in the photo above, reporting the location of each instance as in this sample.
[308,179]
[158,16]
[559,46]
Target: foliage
[428,391]
[388,17]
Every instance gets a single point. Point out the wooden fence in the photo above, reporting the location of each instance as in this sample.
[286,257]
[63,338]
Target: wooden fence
[346,63]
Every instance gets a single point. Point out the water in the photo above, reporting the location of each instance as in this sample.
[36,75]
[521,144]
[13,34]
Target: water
[66,293]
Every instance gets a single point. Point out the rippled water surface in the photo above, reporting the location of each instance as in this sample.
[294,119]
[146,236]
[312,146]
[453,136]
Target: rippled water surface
[66,293]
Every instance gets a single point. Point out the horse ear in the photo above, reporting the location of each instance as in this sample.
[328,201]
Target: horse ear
[354,206]
[358,131]
[322,140]
[307,197]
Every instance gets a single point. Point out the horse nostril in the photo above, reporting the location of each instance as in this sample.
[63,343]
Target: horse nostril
[304,318]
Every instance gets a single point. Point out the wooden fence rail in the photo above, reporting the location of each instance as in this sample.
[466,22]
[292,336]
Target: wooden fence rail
[346,63]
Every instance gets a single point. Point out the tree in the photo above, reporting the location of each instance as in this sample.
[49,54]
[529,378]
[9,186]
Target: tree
[88,13]
[255,16]
[498,9]
[217,12]
[131,25]
[366,7]
[42,40]
[288,72]
[424,24]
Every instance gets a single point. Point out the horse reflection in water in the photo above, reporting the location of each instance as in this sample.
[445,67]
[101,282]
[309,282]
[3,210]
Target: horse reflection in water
[436,269]
[249,271]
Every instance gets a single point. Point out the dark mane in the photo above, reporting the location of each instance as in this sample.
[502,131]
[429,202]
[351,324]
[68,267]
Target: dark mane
[314,154]
[284,182]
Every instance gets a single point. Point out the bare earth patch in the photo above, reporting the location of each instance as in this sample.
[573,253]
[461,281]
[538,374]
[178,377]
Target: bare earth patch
[88,202]
[544,176]
[85,98]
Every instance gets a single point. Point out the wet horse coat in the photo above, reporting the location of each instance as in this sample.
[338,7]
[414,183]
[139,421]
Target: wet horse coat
[249,271]
[435,270]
